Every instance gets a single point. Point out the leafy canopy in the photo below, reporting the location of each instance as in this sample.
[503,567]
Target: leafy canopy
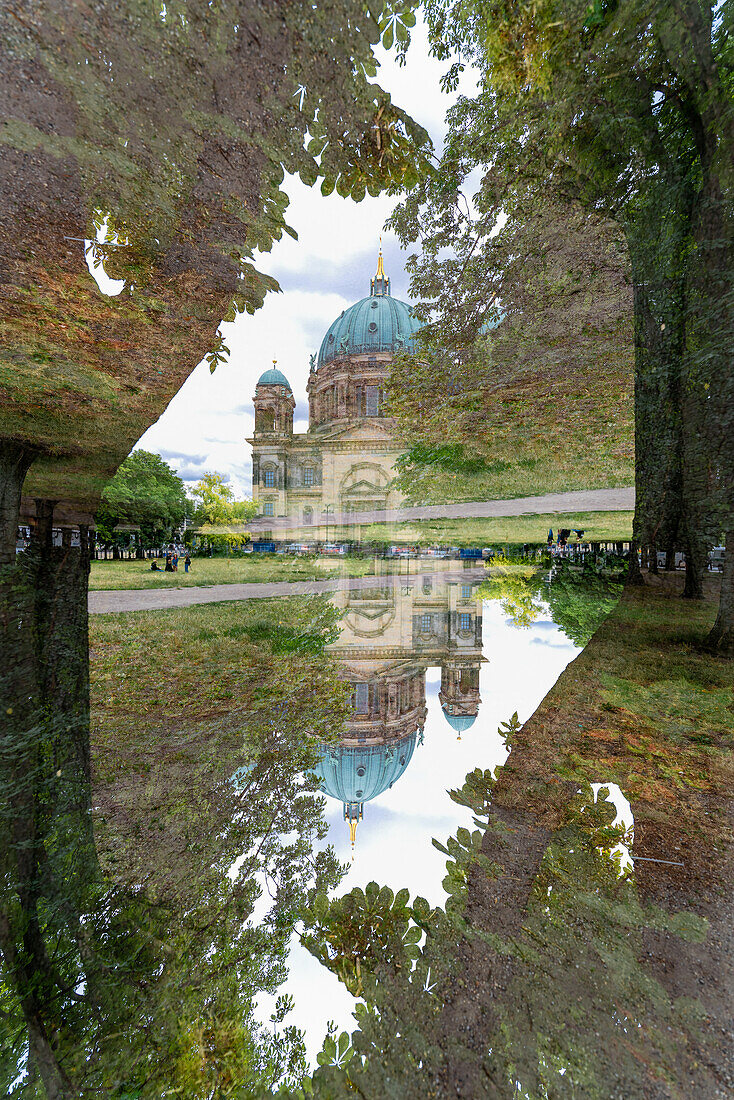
[144,492]
[216,505]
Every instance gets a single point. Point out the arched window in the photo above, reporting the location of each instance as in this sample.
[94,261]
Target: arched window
[360,698]
[308,475]
[269,479]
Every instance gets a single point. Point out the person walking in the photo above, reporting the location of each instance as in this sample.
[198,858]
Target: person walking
[187,563]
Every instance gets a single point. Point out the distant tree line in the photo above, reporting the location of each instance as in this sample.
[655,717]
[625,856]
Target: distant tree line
[145,504]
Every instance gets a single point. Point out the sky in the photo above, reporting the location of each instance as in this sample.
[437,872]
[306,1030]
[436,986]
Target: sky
[206,424]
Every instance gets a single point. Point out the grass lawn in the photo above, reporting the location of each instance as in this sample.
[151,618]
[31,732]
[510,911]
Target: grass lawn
[108,575]
[505,480]
[177,696]
[598,526]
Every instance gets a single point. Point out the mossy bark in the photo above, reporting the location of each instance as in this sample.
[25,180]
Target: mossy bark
[47,845]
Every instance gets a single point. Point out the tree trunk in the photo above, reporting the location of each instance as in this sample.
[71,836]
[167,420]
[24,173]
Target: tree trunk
[15,461]
[696,560]
[46,847]
[721,638]
[634,574]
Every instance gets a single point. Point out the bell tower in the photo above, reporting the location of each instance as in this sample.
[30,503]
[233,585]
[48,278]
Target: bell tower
[274,406]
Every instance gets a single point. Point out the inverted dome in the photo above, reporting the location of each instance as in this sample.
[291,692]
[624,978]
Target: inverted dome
[273,377]
[459,722]
[361,773]
[377,323]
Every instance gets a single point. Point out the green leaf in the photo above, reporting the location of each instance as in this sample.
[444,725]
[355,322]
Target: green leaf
[344,1042]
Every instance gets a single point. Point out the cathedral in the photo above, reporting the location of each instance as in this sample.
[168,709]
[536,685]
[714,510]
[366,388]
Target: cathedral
[344,463]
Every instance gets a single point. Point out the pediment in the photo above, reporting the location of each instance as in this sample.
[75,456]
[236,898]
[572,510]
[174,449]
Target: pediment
[356,431]
[364,488]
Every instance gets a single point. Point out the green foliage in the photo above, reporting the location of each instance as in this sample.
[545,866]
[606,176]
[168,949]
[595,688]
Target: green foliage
[157,957]
[515,593]
[213,499]
[615,121]
[363,932]
[578,599]
[218,354]
[184,182]
[215,506]
[144,492]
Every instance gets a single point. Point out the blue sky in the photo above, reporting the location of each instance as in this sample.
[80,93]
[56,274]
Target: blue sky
[327,269]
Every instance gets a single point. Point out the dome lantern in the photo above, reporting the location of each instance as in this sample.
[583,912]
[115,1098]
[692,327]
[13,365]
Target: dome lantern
[380,285]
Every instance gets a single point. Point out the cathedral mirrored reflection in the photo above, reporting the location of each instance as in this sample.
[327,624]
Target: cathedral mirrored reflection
[411,617]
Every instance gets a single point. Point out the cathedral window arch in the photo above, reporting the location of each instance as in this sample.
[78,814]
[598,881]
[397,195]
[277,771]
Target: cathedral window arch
[269,478]
[464,621]
[360,697]
[308,475]
[268,508]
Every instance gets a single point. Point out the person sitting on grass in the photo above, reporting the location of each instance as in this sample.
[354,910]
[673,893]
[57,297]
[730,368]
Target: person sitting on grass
[155,567]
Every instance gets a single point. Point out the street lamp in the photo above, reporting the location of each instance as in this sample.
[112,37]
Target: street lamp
[328,511]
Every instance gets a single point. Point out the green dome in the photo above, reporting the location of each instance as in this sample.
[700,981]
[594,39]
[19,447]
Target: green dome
[459,722]
[273,377]
[377,323]
[361,773]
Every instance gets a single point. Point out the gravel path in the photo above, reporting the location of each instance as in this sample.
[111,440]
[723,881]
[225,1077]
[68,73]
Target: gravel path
[580,500]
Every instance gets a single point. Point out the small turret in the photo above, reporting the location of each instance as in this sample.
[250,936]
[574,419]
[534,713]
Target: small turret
[274,404]
[459,695]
